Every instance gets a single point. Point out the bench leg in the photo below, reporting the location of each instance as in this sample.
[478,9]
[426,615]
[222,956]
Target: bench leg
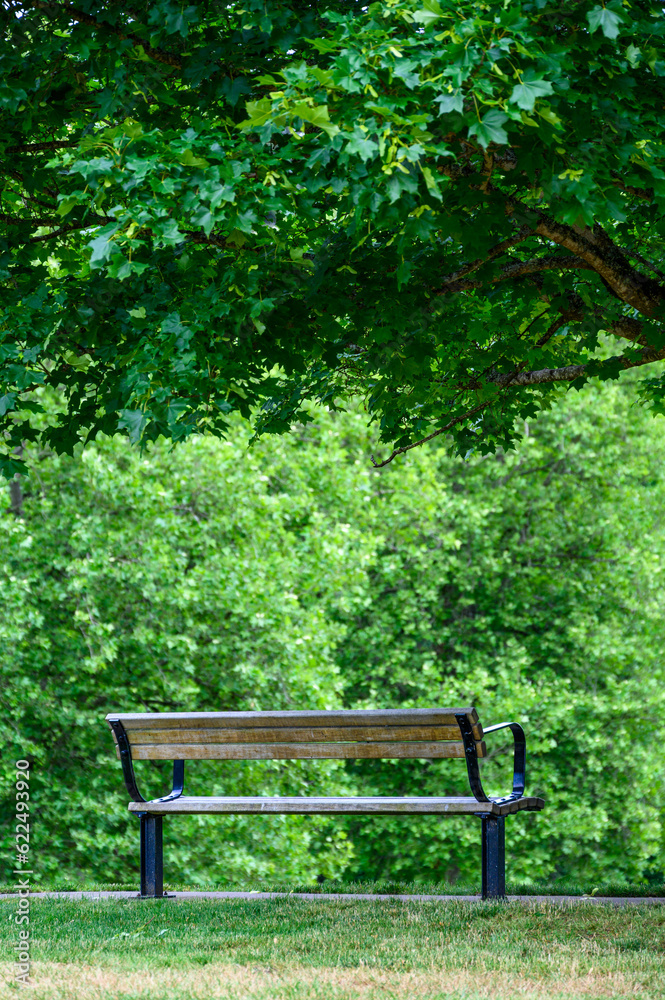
[152,860]
[494,857]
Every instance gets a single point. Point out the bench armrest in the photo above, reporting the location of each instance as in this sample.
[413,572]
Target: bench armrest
[178,782]
[471,754]
[128,767]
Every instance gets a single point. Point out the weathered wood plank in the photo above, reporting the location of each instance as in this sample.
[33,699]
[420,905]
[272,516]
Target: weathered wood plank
[284,734]
[384,805]
[297,804]
[242,720]
[302,751]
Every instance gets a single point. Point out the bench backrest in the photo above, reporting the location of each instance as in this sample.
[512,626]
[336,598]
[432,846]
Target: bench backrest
[390,733]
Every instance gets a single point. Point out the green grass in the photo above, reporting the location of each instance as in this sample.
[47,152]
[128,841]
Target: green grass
[290,949]
[562,887]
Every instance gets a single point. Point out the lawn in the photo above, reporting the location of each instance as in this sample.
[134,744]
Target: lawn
[289,949]
[561,887]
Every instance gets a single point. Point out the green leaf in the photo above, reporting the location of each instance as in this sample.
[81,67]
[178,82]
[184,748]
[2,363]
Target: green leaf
[324,76]
[258,113]
[7,402]
[490,128]
[450,102]
[608,20]
[79,362]
[66,205]
[102,246]
[133,421]
[400,183]
[546,112]
[430,13]
[188,159]
[530,88]
[178,21]
[131,128]
[431,182]
[359,143]
[633,55]
[317,116]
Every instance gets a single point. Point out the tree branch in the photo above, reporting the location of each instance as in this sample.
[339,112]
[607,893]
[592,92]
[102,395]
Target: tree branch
[17,220]
[646,194]
[570,372]
[558,322]
[38,147]
[629,328]
[643,260]
[517,269]
[441,430]
[70,228]
[520,236]
[607,260]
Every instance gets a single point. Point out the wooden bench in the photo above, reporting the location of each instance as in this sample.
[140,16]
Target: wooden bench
[329,735]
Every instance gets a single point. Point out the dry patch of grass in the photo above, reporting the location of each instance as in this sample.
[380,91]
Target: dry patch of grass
[289,949]
[61,981]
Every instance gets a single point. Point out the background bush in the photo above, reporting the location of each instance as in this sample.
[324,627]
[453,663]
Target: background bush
[294,575]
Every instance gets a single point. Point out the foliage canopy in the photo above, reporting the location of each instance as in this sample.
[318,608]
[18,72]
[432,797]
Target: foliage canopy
[438,204]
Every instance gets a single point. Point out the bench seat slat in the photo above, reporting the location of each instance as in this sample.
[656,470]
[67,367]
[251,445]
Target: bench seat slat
[259,720]
[302,751]
[310,734]
[383,805]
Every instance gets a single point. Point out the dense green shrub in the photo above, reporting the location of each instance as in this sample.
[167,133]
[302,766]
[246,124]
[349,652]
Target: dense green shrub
[168,582]
[293,575]
[531,586]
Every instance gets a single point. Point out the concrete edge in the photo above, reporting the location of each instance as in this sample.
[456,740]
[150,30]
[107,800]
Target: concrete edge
[347,897]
